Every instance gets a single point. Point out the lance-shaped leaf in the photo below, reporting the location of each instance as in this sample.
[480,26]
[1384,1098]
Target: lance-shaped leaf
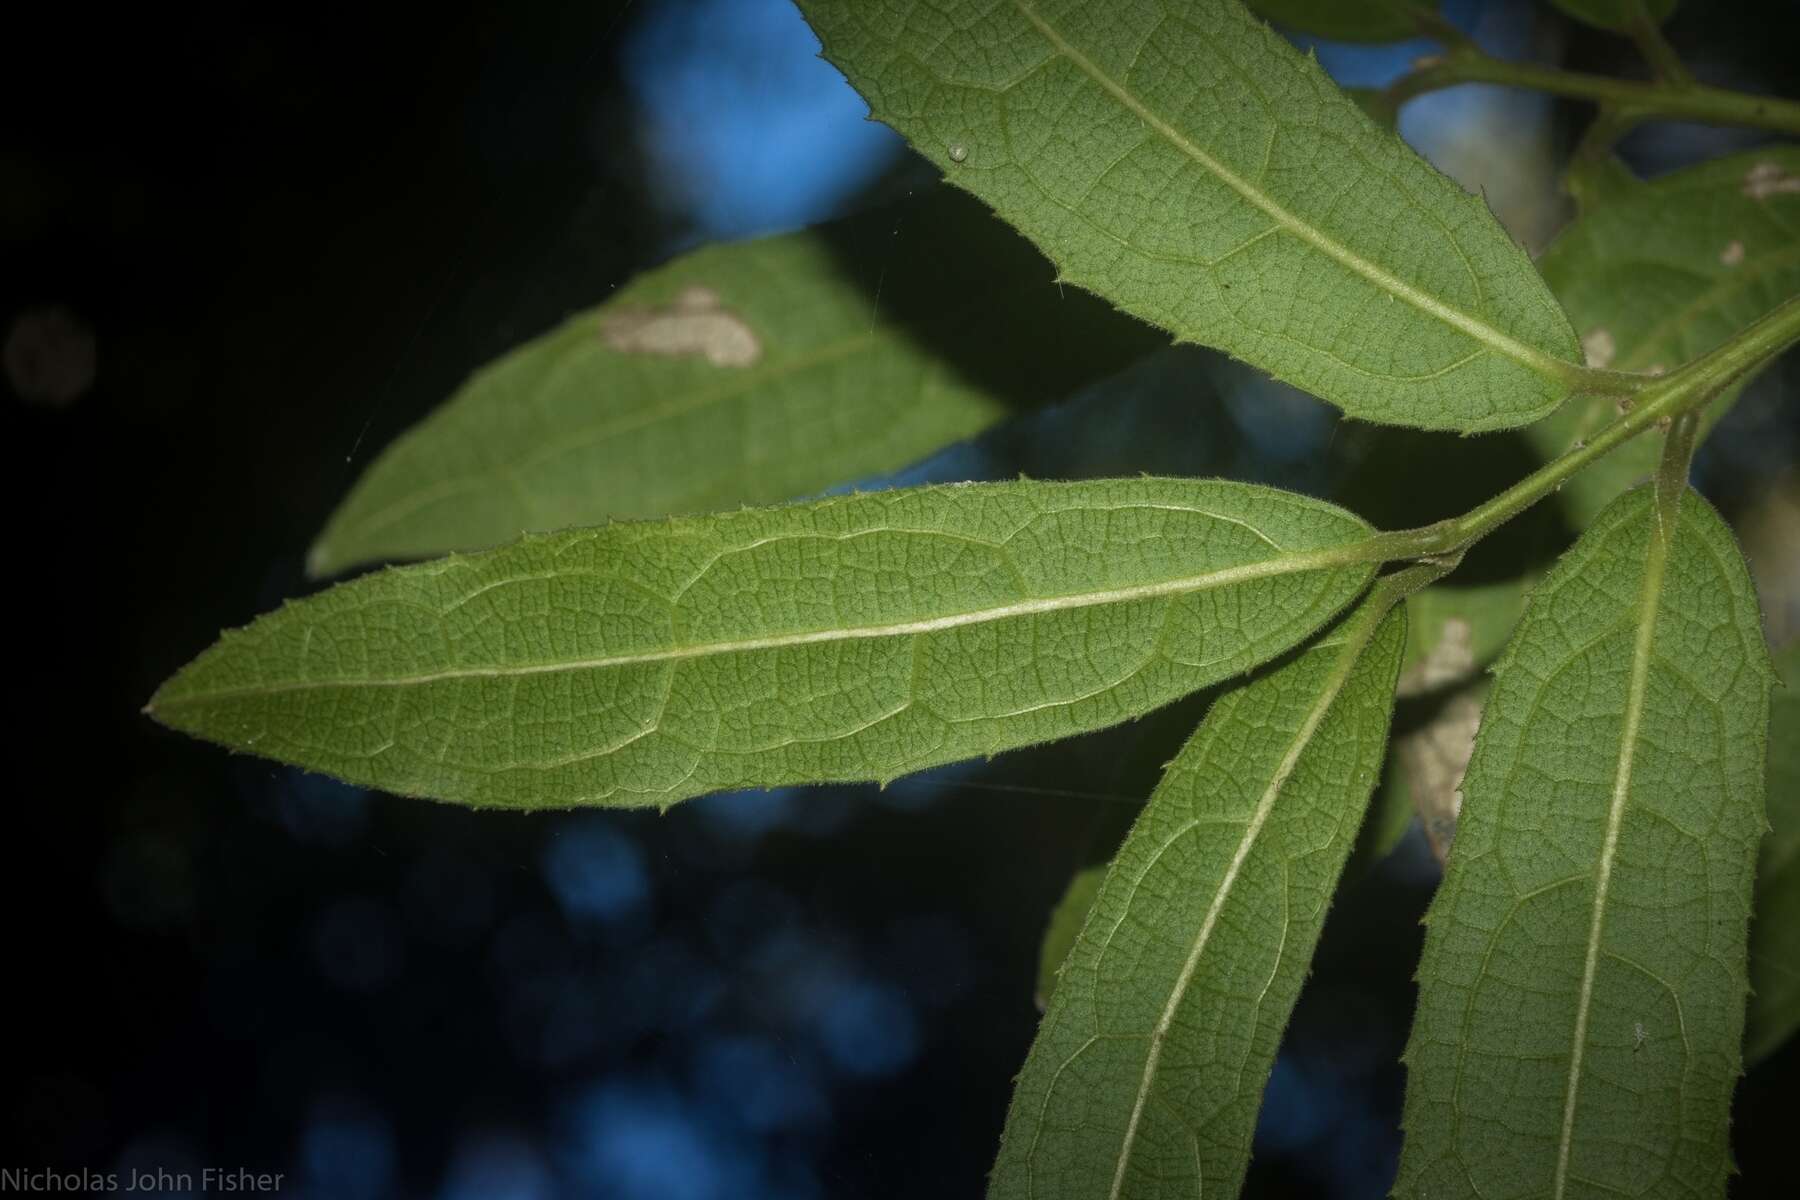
[1582,989]
[1188,164]
[1774,1013]
[1659,274]
[740,374]
[1148,1070]
[854,638]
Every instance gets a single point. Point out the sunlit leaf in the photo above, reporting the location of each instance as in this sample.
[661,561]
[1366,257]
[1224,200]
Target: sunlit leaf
[1582,989]
[1148,1069]
[860,637]
[1774,1012]
[740,374]
[1188,164]
[1657,275]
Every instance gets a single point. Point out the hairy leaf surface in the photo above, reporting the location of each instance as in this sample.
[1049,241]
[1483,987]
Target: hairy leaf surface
[1582,989]
[1657,275]
[1148,1070]
[740,374]
[1774,1013]
[1187,163]
[854,638]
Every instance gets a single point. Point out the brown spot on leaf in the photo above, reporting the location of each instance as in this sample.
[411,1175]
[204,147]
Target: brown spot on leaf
[1732,254]
[695,324]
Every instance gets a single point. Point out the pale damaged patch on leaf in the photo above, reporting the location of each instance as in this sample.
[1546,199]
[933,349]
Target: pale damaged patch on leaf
[1599,347]
[696,323]
[1433,758]
[1452,659]
[1767,179]
[1732,254]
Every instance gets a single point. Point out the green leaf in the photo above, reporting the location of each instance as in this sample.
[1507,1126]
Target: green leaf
[1774,1012]
[1346,20]
[1453,630]
[1616,15]
[1599,181]
[854,638]
[1657,276]
[1149,1067]
[1582,988]
[1199,172]
[1066,920]
[746,373]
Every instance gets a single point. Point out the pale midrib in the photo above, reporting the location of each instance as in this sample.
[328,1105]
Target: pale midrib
[1264,806]
[1355,554]
[1655,562]
[1546,365]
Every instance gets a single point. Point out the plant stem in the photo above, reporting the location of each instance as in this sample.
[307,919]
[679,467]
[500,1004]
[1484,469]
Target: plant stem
[1670,100]
[1672,470]
[1656,49]
[1670,397]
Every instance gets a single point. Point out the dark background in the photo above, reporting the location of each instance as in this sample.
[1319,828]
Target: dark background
[290,233]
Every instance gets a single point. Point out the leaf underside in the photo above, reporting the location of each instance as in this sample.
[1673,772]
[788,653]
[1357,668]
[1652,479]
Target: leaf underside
[1148,1069]
[1582,988]
[1659,274]
[854,638]
[747,373]
[1185,162]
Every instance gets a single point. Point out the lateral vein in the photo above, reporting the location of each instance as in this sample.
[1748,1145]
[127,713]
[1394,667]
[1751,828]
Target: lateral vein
[1252,830]
[1547,365]
[1268,568]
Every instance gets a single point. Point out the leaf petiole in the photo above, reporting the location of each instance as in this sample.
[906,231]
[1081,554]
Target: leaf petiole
[1671,99]
[1667,398]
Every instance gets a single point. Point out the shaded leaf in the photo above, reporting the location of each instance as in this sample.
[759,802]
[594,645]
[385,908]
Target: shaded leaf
[1616,15]
[1582,987]
[1660,274]
[1345,20]
[1599,181]
[745,373]
[1453,629]
[1774,1012]
[1195,169]
[1148,1070]
[860,637]
[1066,920]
